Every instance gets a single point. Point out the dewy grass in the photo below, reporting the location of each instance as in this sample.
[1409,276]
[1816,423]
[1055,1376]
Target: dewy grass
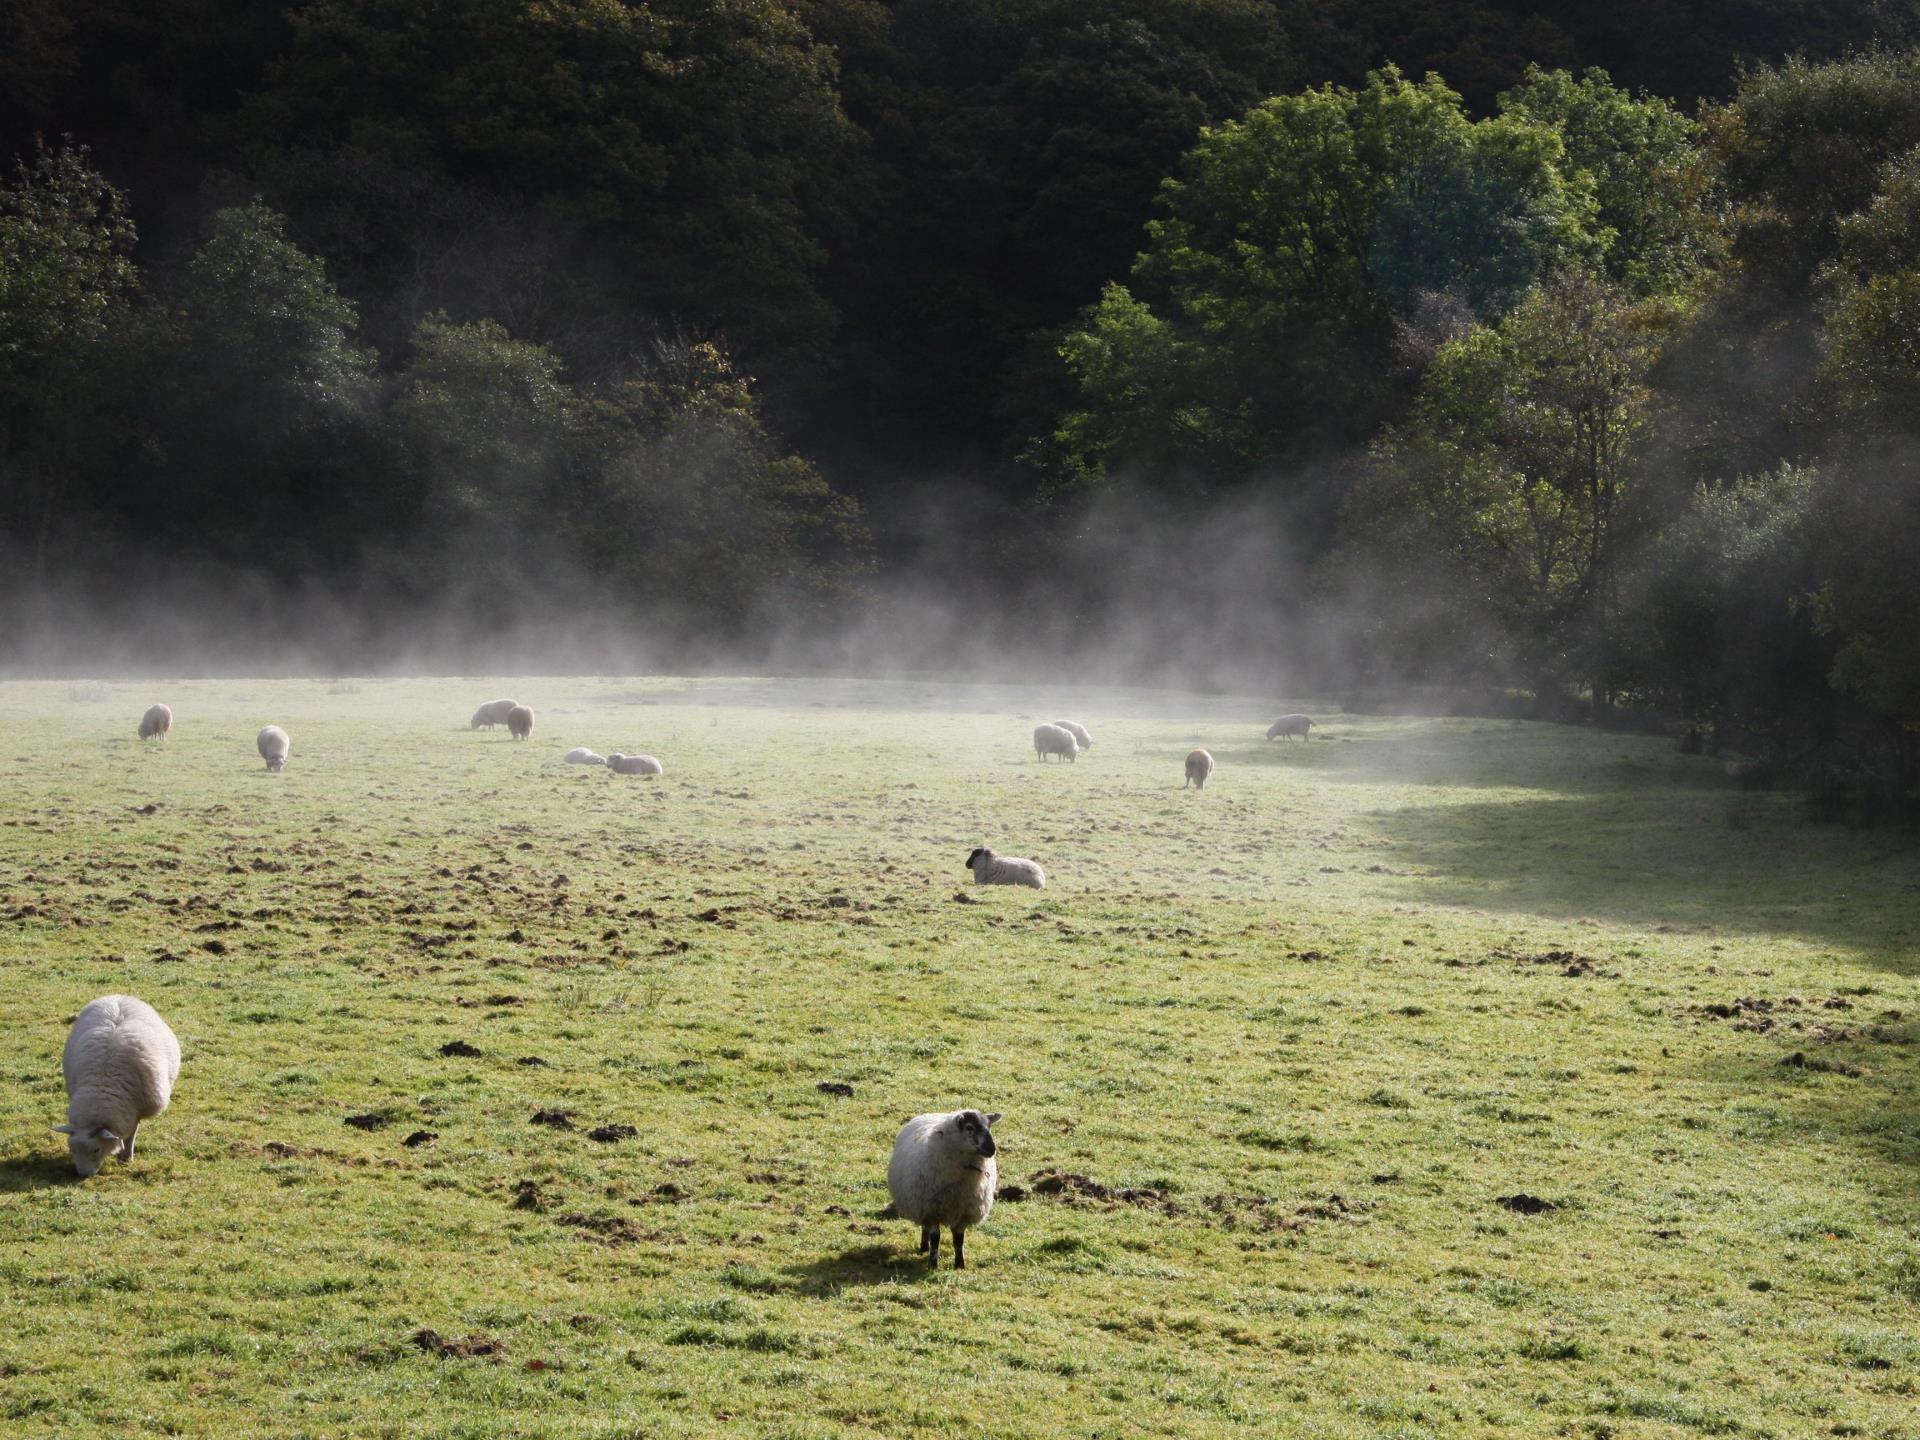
[1432,1078]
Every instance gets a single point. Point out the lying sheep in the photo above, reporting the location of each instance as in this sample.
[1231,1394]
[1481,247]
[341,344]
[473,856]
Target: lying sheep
[634,764]
[155,724]
[1079,733]
[274,747]
[943,1174]
[120,1064]
[1199,769]
[580,755]
[1052,740]
[493,713]
[519,722]
[991,869]
[1290,726]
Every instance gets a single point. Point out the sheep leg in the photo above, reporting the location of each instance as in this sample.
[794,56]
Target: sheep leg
[933,1247]
[927,1234]
[126,1145]
[959,1248]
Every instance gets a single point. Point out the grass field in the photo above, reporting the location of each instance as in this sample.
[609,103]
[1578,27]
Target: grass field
[1270,1056]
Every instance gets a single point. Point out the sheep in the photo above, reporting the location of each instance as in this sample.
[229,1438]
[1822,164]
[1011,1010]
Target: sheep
[520,722]
[991,869]
[1290,726]
[493,713]
[156,723]
[580,755]
[1052,740]
[274,747]
[1199,769]
[634,764]
[1078,731]
[120,1063]
[943,1173]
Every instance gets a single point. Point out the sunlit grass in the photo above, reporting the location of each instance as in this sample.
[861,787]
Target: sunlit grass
[1316,1021]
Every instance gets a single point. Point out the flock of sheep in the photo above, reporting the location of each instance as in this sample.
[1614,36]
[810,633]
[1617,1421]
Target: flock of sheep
[121,1059]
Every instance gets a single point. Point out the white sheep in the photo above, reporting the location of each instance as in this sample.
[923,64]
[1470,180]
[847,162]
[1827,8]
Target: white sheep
[493,713]
[1052,740]
[580,755]
[1290,726]
[274,746]
[943,1174]
[120,1063]
[156,723]
[1078,731]
[520,722]
[1199,769]
[634,764]
[991,869]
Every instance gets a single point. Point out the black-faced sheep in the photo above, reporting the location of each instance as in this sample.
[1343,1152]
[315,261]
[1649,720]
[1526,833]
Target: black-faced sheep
[943,1174]
[991,869]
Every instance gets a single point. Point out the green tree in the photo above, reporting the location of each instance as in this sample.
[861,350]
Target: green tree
[1519,462]
[1295,237]
[66,278]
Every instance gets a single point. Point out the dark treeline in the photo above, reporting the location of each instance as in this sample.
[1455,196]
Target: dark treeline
[1557,352]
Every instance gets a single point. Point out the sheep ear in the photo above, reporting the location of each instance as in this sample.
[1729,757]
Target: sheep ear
[63,1129]
[993,1119]
[105,1134]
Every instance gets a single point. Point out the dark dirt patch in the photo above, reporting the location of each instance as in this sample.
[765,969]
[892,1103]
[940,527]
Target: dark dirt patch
[1072,1188]
[466,1348]
[665,1193]
[960,897]
[835,1087]
[214,947]
[1569,963]
[459,1047]
[1010,1194]
[1525,1204]
[1799,1060]
[530,1060]
[554,1119]
[607,1229]
[607,1134]
[368,1122]
[1760,1013]
[527,1196]
[419,1138]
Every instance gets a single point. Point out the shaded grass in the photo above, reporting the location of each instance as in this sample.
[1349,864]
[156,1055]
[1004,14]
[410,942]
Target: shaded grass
[1304,1018]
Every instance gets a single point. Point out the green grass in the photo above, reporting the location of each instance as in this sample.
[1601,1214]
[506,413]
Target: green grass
[1306,1018]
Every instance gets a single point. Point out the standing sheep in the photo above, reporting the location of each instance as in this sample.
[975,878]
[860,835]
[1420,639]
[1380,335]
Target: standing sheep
[156,723]
[1290,726]
[1052,740]
[1078,731]
[580,755]
[1199,769]
[120,1063]
[634,764]
[943,1173]
[520,722]
[274,747]
[991,869]
[493,713]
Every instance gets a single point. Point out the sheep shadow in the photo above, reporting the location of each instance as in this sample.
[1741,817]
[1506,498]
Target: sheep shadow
[35,1172]
[863,1265]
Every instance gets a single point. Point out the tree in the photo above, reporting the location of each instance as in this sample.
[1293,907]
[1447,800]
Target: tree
[1519,461]
[1295,236]
[66,279]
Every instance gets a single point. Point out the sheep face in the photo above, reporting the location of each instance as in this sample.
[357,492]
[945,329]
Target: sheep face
[977,857]
[90,1148]
[973,1129]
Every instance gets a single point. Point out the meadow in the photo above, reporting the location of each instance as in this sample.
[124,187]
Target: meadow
[1436,1077]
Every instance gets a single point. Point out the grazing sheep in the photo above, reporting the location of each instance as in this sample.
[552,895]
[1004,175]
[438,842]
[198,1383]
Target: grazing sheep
[1290,726]
[493,713]
[520,722]
[580,755]
[274,746]
[120,1063]
[1052,740]
[634,764]
[991,869]
[155,724]
[1078,731]
[943,1173]
[1199,769]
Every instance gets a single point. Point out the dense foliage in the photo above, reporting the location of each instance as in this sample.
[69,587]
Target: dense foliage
[1565,351]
